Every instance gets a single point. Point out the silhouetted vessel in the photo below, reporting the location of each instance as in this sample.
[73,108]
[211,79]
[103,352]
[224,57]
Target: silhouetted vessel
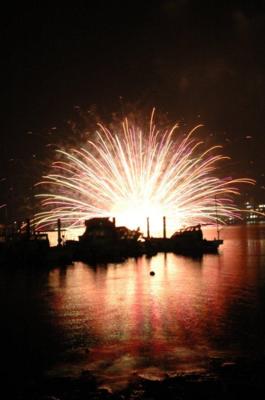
[20,246]
[102,240]
[190,241]
[24,249]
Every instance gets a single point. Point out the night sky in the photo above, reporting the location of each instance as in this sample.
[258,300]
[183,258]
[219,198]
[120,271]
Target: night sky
[195,61]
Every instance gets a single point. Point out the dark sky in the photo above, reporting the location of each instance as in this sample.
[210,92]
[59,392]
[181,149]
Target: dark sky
[198,61]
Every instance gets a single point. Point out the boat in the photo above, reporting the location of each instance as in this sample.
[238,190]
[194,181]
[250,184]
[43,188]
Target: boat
[23,249]
[103,240]
[190,240]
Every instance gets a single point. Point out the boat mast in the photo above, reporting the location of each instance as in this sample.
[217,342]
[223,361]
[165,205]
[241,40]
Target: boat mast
[216,218]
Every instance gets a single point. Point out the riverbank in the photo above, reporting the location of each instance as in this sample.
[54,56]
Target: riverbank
[236,379]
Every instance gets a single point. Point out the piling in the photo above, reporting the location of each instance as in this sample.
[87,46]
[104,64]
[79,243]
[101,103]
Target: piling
[164,228]
[59,240]
[148,227]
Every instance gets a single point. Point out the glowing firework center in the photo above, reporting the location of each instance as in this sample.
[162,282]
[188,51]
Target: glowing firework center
[134,214]
[134,175]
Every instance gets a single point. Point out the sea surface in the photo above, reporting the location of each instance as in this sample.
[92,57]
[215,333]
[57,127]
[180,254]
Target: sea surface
[117,320]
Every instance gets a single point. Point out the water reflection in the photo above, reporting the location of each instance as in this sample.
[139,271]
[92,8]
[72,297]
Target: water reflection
[120,319]
[117,319]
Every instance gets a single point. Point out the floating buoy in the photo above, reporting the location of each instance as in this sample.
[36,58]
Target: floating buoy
[152,273]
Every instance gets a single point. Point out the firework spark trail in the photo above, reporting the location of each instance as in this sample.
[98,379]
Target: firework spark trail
[132,175]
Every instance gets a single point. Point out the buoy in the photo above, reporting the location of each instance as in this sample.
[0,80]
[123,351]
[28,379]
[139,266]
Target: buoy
[152,273]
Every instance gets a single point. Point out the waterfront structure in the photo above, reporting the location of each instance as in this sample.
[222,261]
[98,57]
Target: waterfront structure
[254,212]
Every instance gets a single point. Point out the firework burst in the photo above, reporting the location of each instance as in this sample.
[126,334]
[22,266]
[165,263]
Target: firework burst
[134,174]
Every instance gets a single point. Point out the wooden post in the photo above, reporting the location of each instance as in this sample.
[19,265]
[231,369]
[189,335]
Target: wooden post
[148,228]
[59,240]
[164,228]
[114,221]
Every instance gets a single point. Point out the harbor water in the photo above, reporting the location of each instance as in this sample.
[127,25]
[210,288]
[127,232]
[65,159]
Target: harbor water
[117,320]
